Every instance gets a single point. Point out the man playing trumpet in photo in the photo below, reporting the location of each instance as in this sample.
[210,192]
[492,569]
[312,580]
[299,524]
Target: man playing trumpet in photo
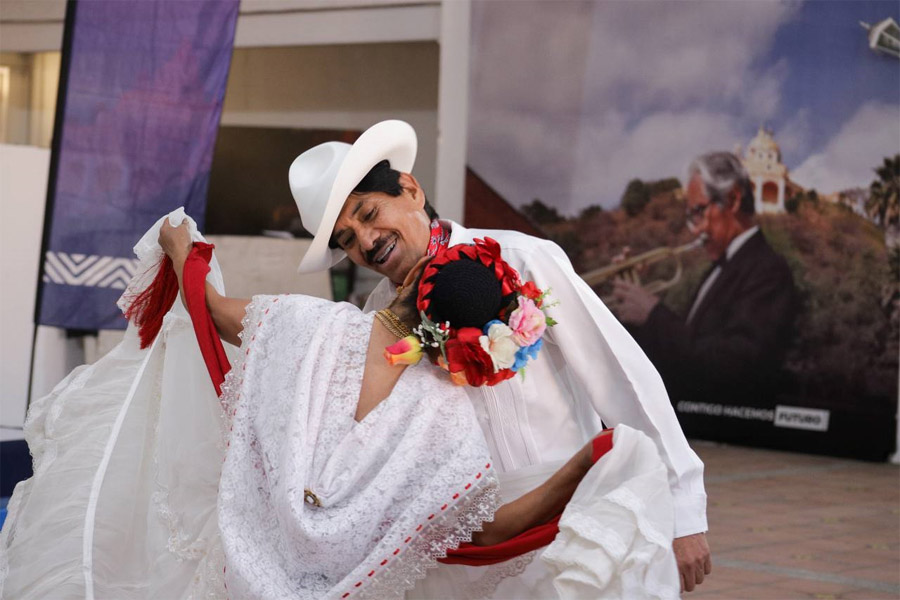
[730,344]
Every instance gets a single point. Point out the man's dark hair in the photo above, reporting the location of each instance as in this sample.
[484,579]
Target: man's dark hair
[382,178]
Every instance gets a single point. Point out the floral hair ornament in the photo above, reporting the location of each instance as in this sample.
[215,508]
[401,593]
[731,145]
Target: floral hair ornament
[483,342]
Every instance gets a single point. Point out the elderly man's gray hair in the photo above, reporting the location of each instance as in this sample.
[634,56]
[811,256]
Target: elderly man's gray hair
[720,172]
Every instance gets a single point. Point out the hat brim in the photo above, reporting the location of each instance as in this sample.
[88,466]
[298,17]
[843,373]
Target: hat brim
[394,141]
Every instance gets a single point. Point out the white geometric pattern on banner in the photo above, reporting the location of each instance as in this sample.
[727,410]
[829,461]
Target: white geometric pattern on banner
[89,270]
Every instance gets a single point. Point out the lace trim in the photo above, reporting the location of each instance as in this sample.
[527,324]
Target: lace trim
[44,454]
[234,379]
[487,584]
[209,580]
[207,552]
[211,577]
[179,542]
[432,542]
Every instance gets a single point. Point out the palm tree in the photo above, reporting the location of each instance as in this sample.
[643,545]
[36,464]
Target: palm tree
[884,194]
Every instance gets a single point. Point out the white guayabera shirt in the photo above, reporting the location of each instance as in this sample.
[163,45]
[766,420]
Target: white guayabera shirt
[589,369]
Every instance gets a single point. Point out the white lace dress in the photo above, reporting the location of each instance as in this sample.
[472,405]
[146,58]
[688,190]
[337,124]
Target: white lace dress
[394,491]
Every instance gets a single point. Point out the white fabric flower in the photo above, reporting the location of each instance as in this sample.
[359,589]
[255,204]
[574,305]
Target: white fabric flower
[500,344]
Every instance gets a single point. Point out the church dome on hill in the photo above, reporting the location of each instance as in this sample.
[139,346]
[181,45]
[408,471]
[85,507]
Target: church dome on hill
[768,174]
[764,147]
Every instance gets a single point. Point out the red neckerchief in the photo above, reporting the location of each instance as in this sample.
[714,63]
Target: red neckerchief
[439,240]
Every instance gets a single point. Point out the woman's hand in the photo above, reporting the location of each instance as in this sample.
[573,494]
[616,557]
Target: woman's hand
[175,241]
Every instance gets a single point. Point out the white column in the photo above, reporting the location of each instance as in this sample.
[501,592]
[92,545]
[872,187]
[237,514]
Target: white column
[453,109]
[757,194]
[781,195]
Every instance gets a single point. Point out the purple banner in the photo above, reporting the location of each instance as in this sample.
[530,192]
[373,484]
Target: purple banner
[144,85]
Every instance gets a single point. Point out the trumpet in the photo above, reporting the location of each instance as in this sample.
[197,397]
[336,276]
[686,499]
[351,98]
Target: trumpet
[629,268]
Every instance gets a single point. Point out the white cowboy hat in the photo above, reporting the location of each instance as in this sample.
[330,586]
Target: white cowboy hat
[322,178]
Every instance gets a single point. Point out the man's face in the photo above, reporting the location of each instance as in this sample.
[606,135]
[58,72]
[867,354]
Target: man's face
[387,234]
[710,218]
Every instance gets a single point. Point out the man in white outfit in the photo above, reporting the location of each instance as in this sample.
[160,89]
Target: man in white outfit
[590,368]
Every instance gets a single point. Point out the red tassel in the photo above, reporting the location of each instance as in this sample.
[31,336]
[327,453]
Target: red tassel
[152,304]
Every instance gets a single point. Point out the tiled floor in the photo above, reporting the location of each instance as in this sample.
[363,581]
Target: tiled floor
[786,526]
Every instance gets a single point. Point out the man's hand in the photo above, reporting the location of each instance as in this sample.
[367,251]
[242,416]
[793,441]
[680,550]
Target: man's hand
[694,563]
[632,303]
[175,241]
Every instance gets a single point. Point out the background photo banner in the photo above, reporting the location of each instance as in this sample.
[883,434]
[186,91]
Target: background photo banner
[141,95]
[783,332]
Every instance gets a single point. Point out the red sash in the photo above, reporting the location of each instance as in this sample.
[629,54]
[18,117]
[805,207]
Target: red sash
[530,539]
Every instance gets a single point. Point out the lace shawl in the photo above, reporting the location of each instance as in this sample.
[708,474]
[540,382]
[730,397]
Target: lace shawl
[396,489]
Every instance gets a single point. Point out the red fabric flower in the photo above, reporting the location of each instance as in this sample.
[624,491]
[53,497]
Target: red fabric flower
[464,353]
[530,290]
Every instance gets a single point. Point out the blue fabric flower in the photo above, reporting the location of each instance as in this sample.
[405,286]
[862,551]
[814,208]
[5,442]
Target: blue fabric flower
[526,353]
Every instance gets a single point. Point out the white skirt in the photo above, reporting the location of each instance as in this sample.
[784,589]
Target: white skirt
[615,538]
[127,454]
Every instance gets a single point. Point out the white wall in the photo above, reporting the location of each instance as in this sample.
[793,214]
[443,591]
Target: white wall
[250,266]
[263,265]
[23,191]
[339,86]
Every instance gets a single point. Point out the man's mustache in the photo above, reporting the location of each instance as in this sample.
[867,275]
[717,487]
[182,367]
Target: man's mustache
[376,248]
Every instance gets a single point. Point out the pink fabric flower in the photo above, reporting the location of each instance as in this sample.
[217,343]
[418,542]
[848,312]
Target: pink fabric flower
[527,322]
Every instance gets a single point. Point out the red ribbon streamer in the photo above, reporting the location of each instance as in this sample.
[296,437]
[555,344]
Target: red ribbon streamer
[195,269]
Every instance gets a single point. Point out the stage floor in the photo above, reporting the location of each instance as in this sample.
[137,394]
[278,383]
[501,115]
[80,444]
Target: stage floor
[786,526]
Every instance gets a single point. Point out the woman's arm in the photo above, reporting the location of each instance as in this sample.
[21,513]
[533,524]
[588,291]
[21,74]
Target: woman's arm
[226,313]
[540,504]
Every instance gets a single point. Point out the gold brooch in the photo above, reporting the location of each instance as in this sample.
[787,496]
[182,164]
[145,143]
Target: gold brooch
[311,498]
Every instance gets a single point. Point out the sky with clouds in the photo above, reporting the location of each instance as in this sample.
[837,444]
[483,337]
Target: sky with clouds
[570,100]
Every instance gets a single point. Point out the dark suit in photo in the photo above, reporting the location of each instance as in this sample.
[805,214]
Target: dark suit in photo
[731,350]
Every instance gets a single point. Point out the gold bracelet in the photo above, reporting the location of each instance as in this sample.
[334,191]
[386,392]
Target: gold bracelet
[393,323]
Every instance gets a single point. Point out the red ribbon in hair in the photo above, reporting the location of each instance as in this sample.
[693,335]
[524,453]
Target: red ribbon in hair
[486,251]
